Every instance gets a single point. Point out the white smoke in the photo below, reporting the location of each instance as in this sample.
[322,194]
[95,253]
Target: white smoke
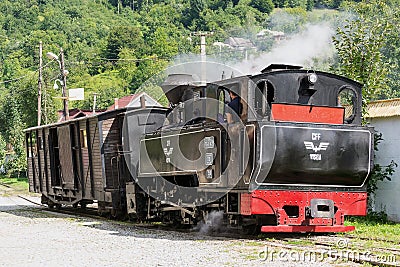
[300,49]
[214,67]
[212,223]
[306,48]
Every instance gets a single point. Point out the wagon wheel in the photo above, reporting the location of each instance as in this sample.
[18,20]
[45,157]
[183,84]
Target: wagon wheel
[116,214]
[83,205]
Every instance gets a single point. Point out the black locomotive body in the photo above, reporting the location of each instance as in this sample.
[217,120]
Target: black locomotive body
[296,158]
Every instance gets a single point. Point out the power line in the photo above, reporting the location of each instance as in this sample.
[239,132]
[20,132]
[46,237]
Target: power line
[24,76]
[16,79]
[98,61]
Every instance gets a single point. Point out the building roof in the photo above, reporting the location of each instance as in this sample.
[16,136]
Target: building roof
[77,113]
[124,101]
[119,103]
[384,108]
[267,32]
[238,42]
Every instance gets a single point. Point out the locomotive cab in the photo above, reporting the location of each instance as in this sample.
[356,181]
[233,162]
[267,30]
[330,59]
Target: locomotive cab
[312,153]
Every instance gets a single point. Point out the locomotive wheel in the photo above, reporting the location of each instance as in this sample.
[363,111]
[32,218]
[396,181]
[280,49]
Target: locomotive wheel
[250,226]
[251,229]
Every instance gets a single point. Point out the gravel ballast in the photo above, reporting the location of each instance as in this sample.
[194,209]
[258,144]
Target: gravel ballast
[31,236]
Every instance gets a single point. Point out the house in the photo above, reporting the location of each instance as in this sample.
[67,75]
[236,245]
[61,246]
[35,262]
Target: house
[276,35]
[239,43]
[384,116]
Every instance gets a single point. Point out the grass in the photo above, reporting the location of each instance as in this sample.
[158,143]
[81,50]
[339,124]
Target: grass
[13,186]
[304,241]
[375,227]
[252,257]
[15,182]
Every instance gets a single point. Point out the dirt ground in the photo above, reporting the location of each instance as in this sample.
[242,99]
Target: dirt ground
[33,236]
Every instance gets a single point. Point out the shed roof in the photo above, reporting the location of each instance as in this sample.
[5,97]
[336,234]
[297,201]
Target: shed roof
[384,108]
[77,113]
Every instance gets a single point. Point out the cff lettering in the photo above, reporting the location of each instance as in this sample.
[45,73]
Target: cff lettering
[315,136]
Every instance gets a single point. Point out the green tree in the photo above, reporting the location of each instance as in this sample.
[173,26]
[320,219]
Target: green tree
[13,127]
[288,20]
[290,3]
[107,85]
[391,51]
[3,153]
[197,6]
[146,69]
[126,64]
[265,6]
[359,47]
[328,3]
[124,37]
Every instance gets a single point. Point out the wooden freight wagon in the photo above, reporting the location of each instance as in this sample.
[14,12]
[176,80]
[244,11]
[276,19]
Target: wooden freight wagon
[79,161]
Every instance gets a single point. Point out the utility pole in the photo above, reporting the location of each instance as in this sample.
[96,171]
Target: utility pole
[40,84]
[64,86]
[94,102]
[203,55]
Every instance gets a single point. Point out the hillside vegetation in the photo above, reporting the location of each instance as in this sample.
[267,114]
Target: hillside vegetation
[112,47]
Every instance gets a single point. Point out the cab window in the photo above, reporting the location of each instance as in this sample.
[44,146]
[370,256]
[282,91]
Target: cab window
[347,98]
[264,96]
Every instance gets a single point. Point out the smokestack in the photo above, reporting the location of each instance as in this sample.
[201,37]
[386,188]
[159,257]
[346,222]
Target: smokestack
[142,101]
[115,103]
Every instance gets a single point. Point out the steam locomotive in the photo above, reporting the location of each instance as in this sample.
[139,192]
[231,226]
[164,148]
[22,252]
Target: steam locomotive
[295,158]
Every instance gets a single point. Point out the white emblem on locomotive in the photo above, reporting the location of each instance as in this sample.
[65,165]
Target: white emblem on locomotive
[321,147]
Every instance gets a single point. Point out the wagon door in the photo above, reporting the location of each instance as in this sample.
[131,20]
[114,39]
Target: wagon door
[66,160]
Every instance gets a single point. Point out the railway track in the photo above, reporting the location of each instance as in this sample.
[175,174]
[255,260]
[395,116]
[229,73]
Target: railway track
[342,248]
[347,248]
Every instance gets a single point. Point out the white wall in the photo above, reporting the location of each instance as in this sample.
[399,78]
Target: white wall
[150,102]
[388,193]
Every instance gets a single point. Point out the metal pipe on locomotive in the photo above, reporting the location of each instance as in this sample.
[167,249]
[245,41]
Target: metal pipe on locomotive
[295,160]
